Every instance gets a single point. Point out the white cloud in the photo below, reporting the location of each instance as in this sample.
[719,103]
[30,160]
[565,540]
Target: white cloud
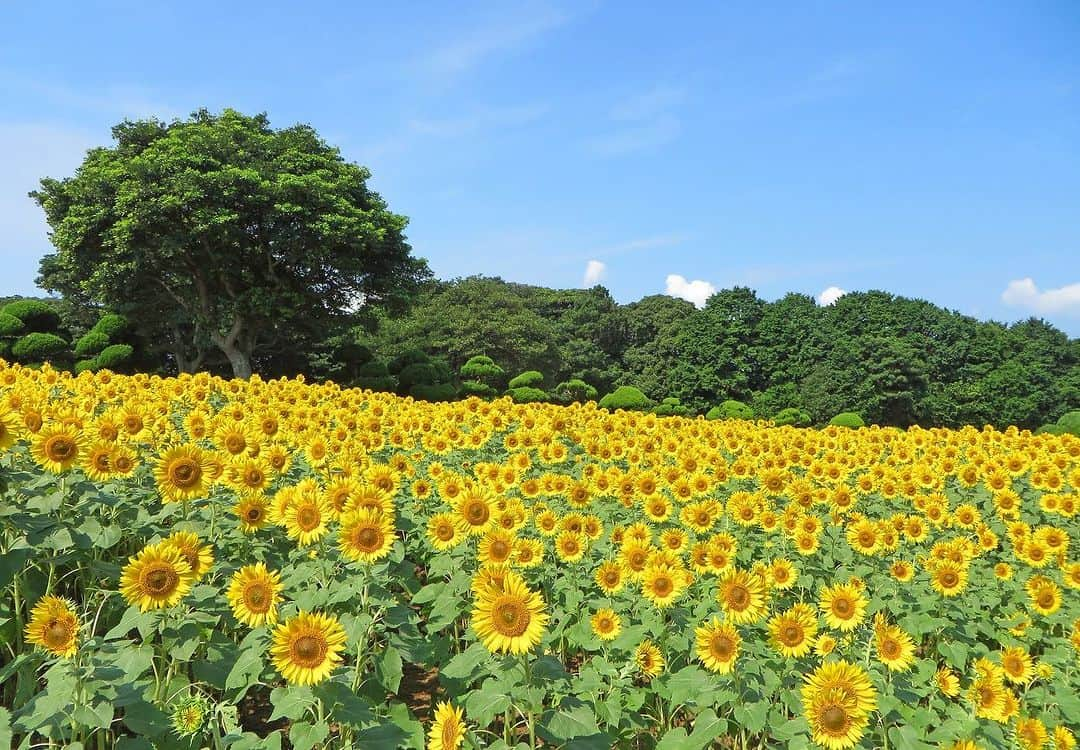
[1024,293]
[696,291]
[594,272]
[830,295]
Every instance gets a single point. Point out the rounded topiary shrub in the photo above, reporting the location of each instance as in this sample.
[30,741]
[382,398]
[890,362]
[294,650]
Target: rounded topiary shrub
[527,395]
[473,388]
[575,389]
[479,367]
[115,356]
[90,344]
[434,392]
[791,416]
[1070,423]
[35,315]
[730,409]
[847,419]
[374,376]
[671,407]
[411,357]
[626,397]
[39,347]
[527,379]
[84,365]
[111,326]
[1051,429]
[10,325]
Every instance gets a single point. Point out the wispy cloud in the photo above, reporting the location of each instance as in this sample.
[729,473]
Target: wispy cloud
[594,273]
[472,47]
[642,121]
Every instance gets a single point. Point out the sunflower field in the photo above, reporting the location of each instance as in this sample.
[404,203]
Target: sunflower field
[195,562]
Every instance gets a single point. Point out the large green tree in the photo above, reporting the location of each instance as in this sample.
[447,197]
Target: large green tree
[219,234]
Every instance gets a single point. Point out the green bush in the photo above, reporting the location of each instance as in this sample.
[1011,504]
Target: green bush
[5,348]
[411,357]
[90,344]
[10,325]
[626,397]
[730,409]
[1070,423]
[111,326]
[37,316]
[1051,429]
[434,392]
[473,388]
[792,416]
[480,367]
[671,407]
[575,389]
[375,376]
[527,379]
[85,364]
[847,419]
[39,347]
[114,357]
[527,395]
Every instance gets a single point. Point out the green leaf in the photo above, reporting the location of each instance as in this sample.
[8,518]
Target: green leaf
[146,719]
[388,669]
[483,705]
[907,738]
[675,739]
[245,671]
[688,684]
[5,727]
[345,705]
[707,727]
[304,736]
[381,737]
[98,715]
[752,716]
[290,702]
[464,665]
[573,718]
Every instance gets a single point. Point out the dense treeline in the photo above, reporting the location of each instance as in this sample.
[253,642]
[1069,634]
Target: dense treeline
[891,359]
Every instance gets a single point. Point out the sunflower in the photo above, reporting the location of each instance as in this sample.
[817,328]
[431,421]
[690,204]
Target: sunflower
[663,584]
[158,576]
[837,701]
[96,462]
[181,473]
[509,618]
[1031,734]
[987,694]
[570,546]
[610,576]
[783,574]
[307,648]
[56,448]
[448,730]
[443,532]
[252,511]
[1045,598]
[1016,664]
[54,626]
[528,553]
[9,428]
[825,644]
[902,571]
[717,645]
[200,557]
[895,649]
[254,595]
[648,659]
[475,511]
[606,624]
[948,577]
[742,597]
[792,632]
[947,682]
[844,606]
[366,535]
[305,517]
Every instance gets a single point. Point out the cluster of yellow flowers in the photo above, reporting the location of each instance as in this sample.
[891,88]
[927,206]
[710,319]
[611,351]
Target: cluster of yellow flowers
[663,508]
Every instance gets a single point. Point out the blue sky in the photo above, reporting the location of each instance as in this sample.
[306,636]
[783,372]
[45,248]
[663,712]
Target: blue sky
[929,149]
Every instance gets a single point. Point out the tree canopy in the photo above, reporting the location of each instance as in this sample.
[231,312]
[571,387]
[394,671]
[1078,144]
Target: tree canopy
[219,234]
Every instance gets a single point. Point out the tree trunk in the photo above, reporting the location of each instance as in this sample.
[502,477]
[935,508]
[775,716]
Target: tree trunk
[241,363]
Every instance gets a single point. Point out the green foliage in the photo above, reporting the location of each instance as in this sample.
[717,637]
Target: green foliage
[410,357]
[626,397]
[527,379]
[481,367]
[847,419]
[39,347]
[36,315]
[671,407]
[1051,429]
[280,236]
[375,376]
[85,365]
[114,357]
[1070,422]
[475,388]
[10,325]
[730,409]
[792,416]
[574,389]
[90,344]
[112,326]
[433,391]
[527,395]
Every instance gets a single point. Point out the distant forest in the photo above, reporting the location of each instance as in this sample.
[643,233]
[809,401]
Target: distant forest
[892,360]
